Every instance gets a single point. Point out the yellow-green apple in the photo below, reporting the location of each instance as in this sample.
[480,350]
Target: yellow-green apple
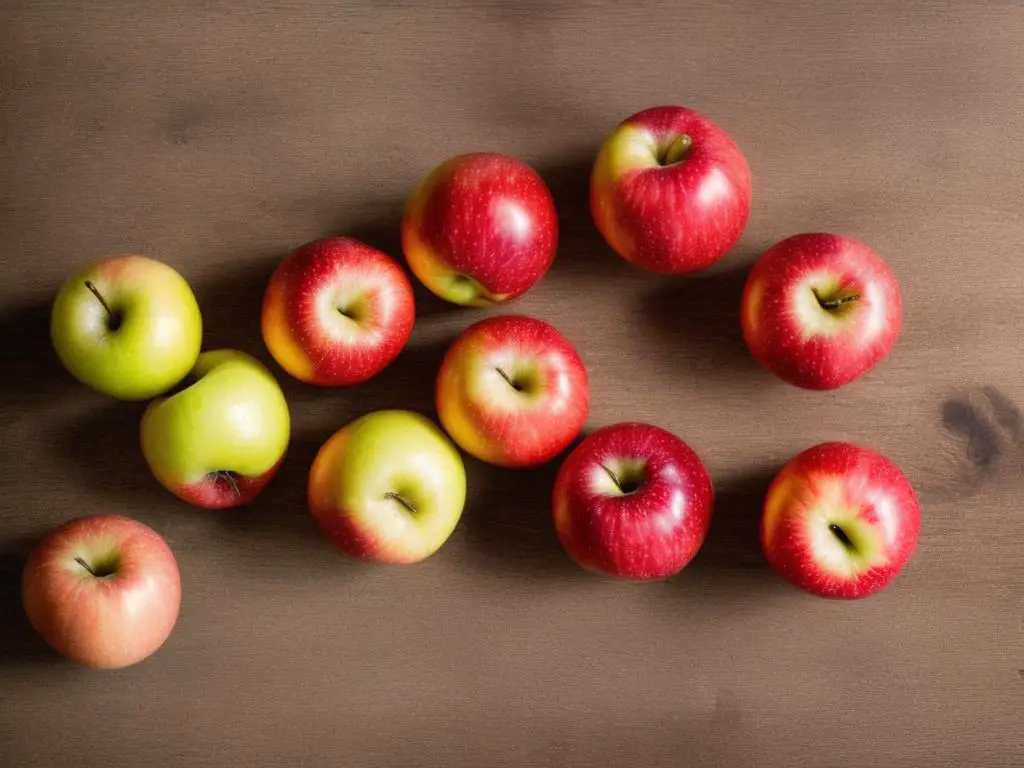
[388,487]
[512,391]
[218,441]
[127,326]
[480,229]
[102,590]
[670,190]
[336,312]
[632,501]
[840,521]
[819,310]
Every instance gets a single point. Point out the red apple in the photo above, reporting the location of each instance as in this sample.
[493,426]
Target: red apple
[480,229]
[820,310]
[102,590]
[840,521]
[633,501]
[670,190]
[512,391]
[336,312]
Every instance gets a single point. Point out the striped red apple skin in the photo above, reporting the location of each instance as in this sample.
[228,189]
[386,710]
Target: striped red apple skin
[841,521]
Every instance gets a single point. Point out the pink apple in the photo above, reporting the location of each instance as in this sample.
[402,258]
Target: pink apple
[633,501]
[840,521]
[336,312]
[670,190]
[820,310]
[102,590]
[512,391]
[480,229]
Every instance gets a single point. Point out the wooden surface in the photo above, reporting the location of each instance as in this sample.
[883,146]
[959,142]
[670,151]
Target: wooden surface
[219,136]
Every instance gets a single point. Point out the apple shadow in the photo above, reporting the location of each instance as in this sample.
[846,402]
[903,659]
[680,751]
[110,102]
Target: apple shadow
[19,643]
[733,544]
[407,384]
[230,297]
[32,373]
[703,311]
[582,251]
[274,533]
[102,450]
[508,523]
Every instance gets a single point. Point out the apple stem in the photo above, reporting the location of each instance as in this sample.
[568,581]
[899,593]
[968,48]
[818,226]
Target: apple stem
[508,379]
[836,303]
[614,478]
[840,534]
[675,151]
[85,565]
[401,500]
[113,320]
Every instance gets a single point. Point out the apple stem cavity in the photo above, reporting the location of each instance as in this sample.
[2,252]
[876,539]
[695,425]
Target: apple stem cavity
[837,302]
[624,487]
[113,318]
[350,313]
[509,380]
[99,573]
[409,506]
[674,152]
[840,534]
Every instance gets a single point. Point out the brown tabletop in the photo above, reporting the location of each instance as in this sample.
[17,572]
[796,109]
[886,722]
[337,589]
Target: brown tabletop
[218,136]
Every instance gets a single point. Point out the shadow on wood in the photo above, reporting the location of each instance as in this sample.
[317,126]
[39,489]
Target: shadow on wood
[734,541]
[102,448]
[508,520]
[703,312]
[582,251]
[19,643]
[32,373]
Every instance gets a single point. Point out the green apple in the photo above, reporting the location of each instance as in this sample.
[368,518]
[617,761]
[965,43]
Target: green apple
[127,326]
[389,487]
[218,441]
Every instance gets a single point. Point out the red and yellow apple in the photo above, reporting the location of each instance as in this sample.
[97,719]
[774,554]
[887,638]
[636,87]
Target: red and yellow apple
[102,590]
[632,501]
[337,312]
[670,190]
[127,326]
[480,229]
[819,310]
[217,442]
[512,391]
[840,521]
[388,487]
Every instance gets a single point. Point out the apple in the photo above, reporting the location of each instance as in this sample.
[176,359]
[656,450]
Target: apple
[102,590]
[480,229]
[512,391]
[336,312]
[820,310]
[218,441]
[127,326]
[388,487]
[840,521]
[632,501]
[670,190]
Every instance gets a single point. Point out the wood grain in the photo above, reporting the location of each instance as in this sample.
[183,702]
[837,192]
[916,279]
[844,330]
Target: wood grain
[217,136]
